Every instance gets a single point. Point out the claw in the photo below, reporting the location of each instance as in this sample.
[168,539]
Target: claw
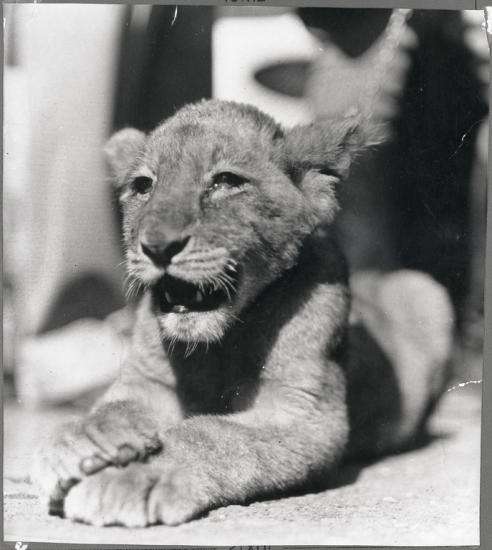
[126,455]
[92,464]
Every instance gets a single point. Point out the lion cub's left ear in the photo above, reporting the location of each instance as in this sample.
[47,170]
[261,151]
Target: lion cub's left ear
[329,146]
[122,150]
[320,154]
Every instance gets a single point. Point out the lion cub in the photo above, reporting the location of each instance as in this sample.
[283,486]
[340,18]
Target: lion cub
[244,379]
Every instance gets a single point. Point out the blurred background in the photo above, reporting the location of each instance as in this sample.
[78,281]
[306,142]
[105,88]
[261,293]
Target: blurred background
[73,74]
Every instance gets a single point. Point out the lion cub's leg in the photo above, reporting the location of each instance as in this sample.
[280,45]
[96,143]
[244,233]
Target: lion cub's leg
[400,345]
[209,461]
[121,428]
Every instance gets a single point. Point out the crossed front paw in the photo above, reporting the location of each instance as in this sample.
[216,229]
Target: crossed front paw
[116,434]
[135,496]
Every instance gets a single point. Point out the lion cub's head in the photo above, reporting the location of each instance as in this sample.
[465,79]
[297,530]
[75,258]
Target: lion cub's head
[218,202]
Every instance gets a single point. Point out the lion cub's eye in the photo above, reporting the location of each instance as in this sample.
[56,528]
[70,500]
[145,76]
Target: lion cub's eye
[227,179]
[142,184]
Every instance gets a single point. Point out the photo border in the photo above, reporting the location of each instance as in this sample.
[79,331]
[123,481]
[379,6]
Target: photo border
[486,436]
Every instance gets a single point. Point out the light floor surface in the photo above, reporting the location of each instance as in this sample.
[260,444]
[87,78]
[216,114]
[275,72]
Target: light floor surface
[429,496]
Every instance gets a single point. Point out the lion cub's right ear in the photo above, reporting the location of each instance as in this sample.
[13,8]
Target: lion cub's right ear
[121,151]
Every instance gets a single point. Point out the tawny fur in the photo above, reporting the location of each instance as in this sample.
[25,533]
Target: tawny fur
[269,391]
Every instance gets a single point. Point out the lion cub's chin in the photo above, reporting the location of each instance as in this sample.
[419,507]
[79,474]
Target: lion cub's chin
[195,326]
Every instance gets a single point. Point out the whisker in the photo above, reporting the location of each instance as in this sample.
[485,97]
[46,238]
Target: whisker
[222,285]
[231,264]
[236,318]
[228,282]
[133,288]
[190,348]
[171,344]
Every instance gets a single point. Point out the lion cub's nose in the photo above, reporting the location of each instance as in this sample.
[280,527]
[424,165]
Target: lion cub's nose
[161,253]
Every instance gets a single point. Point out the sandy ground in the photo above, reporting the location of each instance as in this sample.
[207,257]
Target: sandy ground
[429,496]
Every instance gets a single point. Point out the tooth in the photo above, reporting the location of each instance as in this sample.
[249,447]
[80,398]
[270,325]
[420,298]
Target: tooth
[198,297]
[167,296]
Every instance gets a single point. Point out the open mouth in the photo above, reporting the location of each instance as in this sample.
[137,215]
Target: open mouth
[172,295]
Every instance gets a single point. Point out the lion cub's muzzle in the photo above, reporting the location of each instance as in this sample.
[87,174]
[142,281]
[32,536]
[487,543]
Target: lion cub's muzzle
[196,278]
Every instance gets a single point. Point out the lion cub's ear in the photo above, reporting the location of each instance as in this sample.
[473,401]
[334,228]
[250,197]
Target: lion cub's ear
[121,151]
[320,154]
[329,146]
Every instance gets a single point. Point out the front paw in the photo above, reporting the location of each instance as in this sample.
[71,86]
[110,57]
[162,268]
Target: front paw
[135,496]
[116,434]
[123,433]
[57,464]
